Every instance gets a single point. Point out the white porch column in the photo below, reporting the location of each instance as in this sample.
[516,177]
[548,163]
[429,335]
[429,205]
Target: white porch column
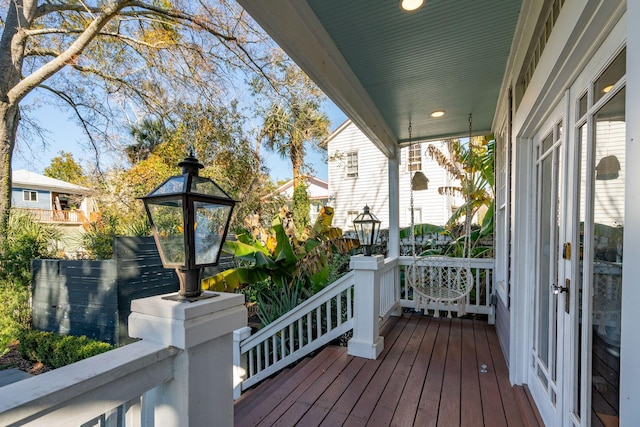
[366,341]
[394,206]
[201,392]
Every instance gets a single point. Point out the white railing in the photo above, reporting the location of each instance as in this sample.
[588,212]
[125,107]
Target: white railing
[102,390]
[478,300]
[314,323]
[389,295]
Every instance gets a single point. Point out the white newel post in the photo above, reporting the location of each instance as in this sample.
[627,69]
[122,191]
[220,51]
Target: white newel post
[366,341]
[239,360]
[201,392]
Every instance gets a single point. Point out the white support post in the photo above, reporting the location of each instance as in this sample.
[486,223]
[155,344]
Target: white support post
[394,225]
[394,206]
[366,341]
[239,360]
[201,392]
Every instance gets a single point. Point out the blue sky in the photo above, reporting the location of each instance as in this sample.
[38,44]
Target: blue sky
[64,135]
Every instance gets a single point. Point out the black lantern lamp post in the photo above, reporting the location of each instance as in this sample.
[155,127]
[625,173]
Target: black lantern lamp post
[189,217]
[367,227]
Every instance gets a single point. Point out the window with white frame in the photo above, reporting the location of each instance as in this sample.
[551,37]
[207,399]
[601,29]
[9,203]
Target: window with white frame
[352,164]
[417,216]
[351,215]
[29,196]
[414,160]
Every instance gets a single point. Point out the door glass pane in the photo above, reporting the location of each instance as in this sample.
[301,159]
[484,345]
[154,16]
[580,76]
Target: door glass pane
[545,169]
[606,280]
[582,147]
[610,76]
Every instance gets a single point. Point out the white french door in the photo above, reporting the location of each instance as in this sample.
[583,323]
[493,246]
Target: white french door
[593,397]
[549,293]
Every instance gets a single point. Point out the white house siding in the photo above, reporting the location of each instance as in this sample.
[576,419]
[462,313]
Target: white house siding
[586,37]
[370,187]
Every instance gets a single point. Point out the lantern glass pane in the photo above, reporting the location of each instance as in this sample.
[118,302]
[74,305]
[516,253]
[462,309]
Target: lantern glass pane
[173,185]
[167,219]
[210,223]
[364,233]
[206,186]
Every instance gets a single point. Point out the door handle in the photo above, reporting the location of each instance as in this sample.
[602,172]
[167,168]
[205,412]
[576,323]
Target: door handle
[557,290]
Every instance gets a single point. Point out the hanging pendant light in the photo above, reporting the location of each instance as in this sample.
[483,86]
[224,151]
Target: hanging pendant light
[419,181]
[608,168]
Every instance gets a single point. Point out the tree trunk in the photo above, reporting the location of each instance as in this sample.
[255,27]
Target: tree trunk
[9,117]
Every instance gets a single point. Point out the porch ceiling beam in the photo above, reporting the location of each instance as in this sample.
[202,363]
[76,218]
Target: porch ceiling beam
[295,27]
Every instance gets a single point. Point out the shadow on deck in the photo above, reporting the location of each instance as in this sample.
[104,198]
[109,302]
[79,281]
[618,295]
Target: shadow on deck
[445,372]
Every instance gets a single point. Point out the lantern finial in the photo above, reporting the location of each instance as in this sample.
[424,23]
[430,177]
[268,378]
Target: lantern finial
[190,164]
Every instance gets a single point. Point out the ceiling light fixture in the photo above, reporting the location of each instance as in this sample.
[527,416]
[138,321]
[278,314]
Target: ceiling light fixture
[411,5]
[606,89]
[438,113]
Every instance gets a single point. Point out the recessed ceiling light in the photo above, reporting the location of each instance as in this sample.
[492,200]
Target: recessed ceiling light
[437,113]
[606,89]
[411,5]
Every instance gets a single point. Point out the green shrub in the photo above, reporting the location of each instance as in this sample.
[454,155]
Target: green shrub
[15,312]
[54,351]
[97,239]
[26,240]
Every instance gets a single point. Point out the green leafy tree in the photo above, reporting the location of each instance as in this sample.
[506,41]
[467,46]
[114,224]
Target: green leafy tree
[102,60]
[65,168]
[301,206]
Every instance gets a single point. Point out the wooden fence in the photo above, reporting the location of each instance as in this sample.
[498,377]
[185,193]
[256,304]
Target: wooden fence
[93,298]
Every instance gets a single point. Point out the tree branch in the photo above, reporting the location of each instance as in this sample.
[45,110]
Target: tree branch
[85,124]
[20,90]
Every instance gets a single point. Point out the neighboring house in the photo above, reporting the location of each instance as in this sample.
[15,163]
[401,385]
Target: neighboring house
[51,200]
[317,190]
[358,176]
[557,82]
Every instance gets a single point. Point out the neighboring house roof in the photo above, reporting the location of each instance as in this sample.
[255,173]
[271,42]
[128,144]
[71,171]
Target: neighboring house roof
[25,178]
[317,189]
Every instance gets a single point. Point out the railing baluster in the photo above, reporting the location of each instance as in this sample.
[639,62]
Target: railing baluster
[318,322]
[259,357]
[274,349]
[292,338]
[328,315]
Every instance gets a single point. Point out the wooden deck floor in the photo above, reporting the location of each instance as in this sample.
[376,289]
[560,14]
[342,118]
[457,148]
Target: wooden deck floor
[430,374]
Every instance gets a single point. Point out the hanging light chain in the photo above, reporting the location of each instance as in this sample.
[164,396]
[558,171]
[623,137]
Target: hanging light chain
[413,237]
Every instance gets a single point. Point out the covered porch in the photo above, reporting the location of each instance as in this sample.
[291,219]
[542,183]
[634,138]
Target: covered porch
[432,371]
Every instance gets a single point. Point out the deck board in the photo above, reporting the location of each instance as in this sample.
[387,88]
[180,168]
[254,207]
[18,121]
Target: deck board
[427,375]
[470,402]
[492,410]
[449,411]
[405,413]
[427,414]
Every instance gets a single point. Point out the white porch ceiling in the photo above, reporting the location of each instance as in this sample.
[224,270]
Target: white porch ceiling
[384,67]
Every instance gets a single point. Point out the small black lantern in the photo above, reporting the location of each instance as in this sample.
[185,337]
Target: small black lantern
[367,227]
[189,217]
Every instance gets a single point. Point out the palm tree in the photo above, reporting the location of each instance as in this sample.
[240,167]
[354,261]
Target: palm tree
[293,120]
